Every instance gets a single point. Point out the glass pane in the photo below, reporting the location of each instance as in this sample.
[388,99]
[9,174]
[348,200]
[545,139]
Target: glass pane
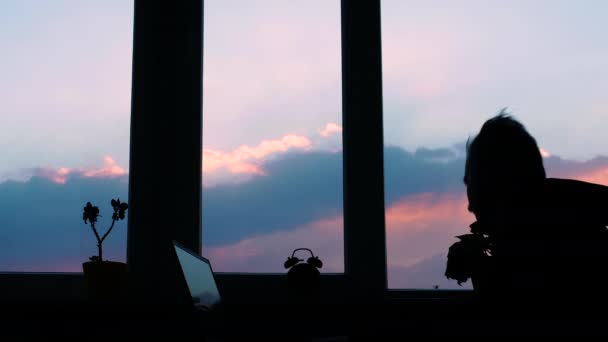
[449,66]
[65,111]
[272,146]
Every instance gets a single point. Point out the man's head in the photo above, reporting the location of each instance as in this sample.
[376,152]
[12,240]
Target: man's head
[503,164]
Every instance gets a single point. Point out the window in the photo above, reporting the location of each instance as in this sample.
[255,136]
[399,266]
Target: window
[272,142]
[65,110]
[449,66]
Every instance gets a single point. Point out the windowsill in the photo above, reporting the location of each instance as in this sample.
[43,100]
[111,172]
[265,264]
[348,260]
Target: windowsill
[41,287]
[256,301]
[240,288]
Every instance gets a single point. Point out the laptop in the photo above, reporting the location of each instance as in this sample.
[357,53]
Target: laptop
[197,273]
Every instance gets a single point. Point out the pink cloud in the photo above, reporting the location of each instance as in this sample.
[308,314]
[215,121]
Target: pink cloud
[266,253]
[58,176]
[330,129]
[110,169]
[593,171]
[418,211]
[544,153]
[424,225]
[598,176]
[247,159]
[418,227]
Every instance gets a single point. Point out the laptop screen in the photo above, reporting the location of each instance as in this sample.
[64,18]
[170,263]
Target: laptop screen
[199,277]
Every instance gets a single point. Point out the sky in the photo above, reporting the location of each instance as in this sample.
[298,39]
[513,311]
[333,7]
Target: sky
[272,121]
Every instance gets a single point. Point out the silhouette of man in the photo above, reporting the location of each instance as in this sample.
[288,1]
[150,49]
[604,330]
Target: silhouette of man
[538,242]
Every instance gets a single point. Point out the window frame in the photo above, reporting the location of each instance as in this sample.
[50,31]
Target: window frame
[363,173]
[167,78]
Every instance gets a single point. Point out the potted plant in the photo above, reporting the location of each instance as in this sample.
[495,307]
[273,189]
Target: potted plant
[105,280]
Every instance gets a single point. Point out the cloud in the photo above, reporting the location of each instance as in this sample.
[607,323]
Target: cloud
[544,153]
[594,170]
[418,227]
[421,211]
[299,188]
[246,159]
[329,129]
[267,252]
[110,169]
[440,154]
[58,176]
[253,225]
[597,176]
[408,173]
[426,209]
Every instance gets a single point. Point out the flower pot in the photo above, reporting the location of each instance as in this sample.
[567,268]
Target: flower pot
[105,281]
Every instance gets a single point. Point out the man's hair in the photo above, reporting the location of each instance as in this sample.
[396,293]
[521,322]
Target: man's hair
[504,154]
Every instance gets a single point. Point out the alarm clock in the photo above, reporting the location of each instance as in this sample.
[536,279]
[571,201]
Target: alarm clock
[303,278]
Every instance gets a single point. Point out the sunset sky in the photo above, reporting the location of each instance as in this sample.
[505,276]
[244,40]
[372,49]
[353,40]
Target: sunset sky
[272,120]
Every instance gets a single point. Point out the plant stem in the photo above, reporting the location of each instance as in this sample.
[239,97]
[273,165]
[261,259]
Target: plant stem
[109,230]
[99,241]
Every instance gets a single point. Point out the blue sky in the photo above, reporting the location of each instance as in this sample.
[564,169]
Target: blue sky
[272,116]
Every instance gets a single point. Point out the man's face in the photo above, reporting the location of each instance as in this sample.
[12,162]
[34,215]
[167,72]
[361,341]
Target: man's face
[473,197]
[482,199]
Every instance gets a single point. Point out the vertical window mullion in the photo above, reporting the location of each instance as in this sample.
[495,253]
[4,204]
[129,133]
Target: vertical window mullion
[364,220]
[166,152]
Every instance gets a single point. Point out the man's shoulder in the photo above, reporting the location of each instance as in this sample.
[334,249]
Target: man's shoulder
[574,185]
[573,189]
[579,200]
